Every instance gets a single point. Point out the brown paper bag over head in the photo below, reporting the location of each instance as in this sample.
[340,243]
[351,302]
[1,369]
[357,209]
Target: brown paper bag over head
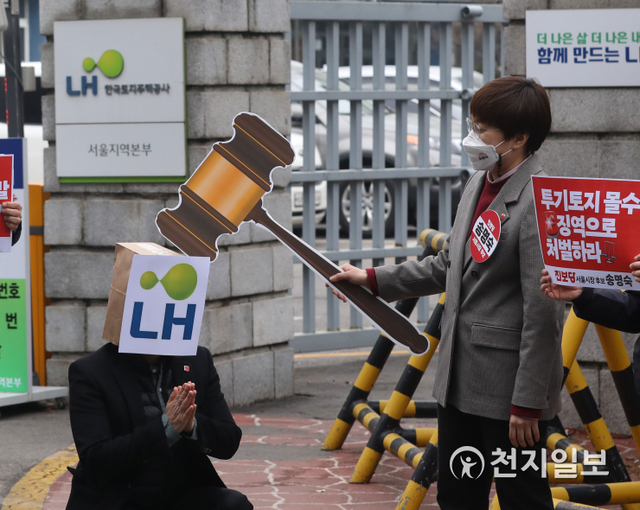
[121,271]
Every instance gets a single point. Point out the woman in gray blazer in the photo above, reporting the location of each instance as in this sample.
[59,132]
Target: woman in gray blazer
[499,372]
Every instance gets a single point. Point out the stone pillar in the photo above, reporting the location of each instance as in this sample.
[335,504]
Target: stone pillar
[237,60]
[595,133]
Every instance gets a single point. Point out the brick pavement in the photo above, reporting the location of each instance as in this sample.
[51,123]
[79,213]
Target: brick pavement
[287,470]
[316,479]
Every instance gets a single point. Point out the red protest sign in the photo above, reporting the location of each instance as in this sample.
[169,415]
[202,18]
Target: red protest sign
[587,230]
[6,195]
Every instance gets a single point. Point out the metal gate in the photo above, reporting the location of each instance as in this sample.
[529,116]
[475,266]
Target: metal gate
[385,137]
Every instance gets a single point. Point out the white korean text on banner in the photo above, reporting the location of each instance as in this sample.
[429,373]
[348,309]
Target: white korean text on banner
[164,305]
[587,230]
[584,48]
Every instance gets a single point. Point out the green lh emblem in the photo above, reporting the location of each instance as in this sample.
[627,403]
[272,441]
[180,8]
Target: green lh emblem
[179,282]
[111,63]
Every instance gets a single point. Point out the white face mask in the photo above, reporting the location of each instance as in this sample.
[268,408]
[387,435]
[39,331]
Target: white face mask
[483,157]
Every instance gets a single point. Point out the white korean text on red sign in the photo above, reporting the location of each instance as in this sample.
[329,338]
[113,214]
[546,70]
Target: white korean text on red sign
[587,230]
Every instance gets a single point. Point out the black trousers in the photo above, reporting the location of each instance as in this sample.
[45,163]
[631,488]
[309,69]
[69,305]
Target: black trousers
[467,446]
[203,498]
[213,498]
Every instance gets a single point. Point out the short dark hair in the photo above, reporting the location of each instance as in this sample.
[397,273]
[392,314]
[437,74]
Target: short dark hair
[515,105]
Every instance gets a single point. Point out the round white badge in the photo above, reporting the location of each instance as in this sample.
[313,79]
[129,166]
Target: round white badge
[485,235]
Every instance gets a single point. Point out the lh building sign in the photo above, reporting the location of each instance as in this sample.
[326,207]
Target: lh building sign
[120,100]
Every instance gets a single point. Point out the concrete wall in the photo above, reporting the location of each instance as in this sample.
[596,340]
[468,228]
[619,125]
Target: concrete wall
[595,133]
[237,60]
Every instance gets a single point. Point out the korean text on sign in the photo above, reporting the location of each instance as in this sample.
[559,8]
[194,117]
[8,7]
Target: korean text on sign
[584,225]
[583,47]
[120,149]
[13,334]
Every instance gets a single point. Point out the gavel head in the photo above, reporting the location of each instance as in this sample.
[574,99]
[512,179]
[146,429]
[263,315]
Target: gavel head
[226,187]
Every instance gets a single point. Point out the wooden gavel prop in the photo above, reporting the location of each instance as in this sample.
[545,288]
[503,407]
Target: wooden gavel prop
[227,189]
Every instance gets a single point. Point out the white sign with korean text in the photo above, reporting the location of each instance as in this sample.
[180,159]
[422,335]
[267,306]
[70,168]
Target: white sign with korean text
[120,87]
[164,305]
[584,48]
[120,150]
[15,288]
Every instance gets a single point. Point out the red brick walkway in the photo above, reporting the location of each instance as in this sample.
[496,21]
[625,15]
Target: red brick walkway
[280,465]
[319,481]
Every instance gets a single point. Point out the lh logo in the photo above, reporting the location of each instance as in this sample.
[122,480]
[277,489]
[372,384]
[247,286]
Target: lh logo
[111,64]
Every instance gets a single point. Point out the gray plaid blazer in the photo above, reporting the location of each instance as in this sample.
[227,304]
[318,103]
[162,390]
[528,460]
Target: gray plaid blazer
[501,336]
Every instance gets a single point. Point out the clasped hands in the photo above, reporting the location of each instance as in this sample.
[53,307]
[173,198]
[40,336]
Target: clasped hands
[181,408]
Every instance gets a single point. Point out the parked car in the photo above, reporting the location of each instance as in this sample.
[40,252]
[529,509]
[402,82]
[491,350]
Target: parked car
[390,148]
[296,191]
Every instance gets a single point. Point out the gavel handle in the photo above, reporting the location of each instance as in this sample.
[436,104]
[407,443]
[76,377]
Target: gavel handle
[393,324]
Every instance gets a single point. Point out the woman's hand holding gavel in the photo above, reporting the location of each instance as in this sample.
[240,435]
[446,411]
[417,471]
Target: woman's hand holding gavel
[351,274]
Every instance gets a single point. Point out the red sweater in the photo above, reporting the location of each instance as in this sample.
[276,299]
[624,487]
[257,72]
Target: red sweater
[489,192]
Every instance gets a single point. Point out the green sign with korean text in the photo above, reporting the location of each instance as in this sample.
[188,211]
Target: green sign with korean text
[13,331]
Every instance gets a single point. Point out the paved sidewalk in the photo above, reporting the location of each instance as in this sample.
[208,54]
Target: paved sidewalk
[289,471]
[280,464]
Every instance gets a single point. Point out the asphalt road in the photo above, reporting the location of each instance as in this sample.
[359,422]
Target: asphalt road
[28,434]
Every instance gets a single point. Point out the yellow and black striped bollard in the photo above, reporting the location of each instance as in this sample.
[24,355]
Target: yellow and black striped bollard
[622,373]
[400,399]
[594,423]
[617,493]
[424,475]
[432,241]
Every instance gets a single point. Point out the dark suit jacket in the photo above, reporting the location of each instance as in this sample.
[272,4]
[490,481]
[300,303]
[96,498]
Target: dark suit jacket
[15,235]
[610,308]
[124,458]
[616,310]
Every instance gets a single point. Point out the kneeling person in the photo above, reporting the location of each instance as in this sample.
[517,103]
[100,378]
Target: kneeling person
[143,426]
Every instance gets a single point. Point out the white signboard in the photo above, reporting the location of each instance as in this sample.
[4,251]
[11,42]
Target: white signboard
[164,305]
[120,99]
[15,288]
[584,48]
